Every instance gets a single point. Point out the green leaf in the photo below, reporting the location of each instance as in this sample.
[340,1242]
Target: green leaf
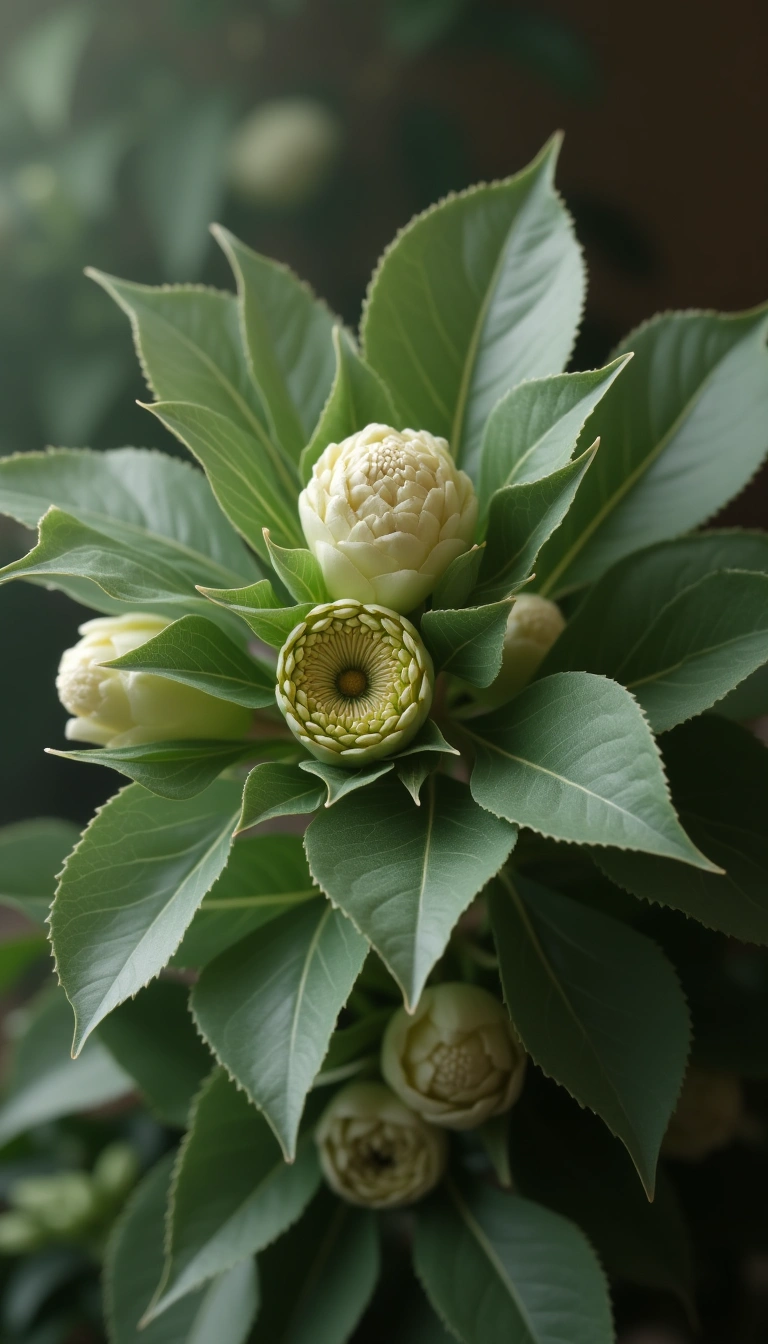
[682,431]
[134,494]
[261,610]
[599,1009]
[533,431]
[718,773]
[32,854]
[403,874]
[468,643]
[129,890]
[17,955]
[749,700]
[197,653]
[429,738]
[275,790]
[357,398]
[134,1252]
[299,571]
[521,519]
[573,758]
[477,294]
[253,493]
[174,769]
[319,1278]
[296,973]
[455,586]
[340,781]
[288,339]
[232,1193]
[265,876]
[153,1038]
[412,773]
[498,1268]
[564,1157]
[45,1083]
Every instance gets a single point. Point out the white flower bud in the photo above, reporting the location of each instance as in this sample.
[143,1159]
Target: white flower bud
[707,1117]
[457,1059]
[354,682]
[283,150]
[374,1151]
[533,625]
[118,709]
[385,513]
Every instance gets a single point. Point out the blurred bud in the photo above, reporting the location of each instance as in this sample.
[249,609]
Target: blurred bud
[115,1170]
[457,1059]
[19,1234]
[374,1151]
[59,1204]
[354,682]
[385,513]
[283,151]
[533,625]
[708,1115]
[120,709]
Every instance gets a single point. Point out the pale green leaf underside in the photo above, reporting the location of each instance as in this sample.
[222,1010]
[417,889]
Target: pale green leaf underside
[32,854]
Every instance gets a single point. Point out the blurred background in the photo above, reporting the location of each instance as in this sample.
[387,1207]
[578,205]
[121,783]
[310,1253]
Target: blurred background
[314,129]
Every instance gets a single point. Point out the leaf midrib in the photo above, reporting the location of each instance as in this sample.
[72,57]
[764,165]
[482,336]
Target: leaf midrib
[493,1258]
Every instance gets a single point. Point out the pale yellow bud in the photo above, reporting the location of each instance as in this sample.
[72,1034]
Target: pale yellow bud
[354,682]
[707,1117]
[283,150]
[457,1059]
[385,513]
[533,625]
[376,1152]
[120,709]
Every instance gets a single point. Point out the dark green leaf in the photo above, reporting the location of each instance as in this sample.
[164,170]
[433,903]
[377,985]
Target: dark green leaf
[339,781]
[17,955]
[454,587]
[573,758]
[412,773]
[429,738]
[153,1038]
[129,890]
[598,1007]
[174,769]
[32,854]
[358,398]
[299,571]
[274,790]
[197,653]
[405,874]
[468,643]
[295,973]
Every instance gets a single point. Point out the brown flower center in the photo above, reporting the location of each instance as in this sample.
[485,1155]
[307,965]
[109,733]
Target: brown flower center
[352,683]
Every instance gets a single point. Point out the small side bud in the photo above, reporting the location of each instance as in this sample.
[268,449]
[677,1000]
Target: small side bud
[707,1117]
[533,625]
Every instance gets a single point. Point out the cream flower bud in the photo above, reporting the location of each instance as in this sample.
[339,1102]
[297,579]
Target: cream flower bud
[374,1151]
[707,1117]
[118,709]
[533,625]
[385,513]
[283,151]
[354,682]
[457,1059]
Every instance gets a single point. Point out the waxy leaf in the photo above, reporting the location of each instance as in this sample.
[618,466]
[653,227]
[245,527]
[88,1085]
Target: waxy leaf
[299,571]
[288,341]
[480,292]
[275,790]
[469,642]
[358,398]
[153,1038]
[718,773]
[32,854]
[231,1194]
[260,608]
[340,781]
[134,1252]
[682,431]
[498,1268]
[454,587]
[319,1278]
[405,874]
[534,429]
[129,890]
[296,973]
[197,653]
[573,758]
[521,519]
[175,769]
[251,490]
[598,1007]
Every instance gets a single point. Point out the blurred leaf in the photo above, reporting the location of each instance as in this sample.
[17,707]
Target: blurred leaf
[31,1282]
[197,653]
[416,24]
[174,769]
[130,889]
[76,391]
[45,1082]
[296,973]
[17,955]
[32,854]
[41,67]
[357,398]
[469,642]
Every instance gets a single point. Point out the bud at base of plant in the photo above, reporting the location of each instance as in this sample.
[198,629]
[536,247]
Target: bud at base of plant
[120,709]
[375,1152]
[707,1117]
[533,625]
[354,682]
[385,513]
[456,1060]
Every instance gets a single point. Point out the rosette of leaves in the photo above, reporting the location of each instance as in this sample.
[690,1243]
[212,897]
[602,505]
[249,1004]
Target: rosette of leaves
[505,848]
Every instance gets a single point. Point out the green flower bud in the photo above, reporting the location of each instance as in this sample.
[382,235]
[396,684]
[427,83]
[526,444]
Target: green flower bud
[708,1115]
[120,709]
[20,1234]
[457,1059]
[59,1204]
[374,1151]
[115,1170]
[283,150]
[385,513]
[354,682]
[533,625]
